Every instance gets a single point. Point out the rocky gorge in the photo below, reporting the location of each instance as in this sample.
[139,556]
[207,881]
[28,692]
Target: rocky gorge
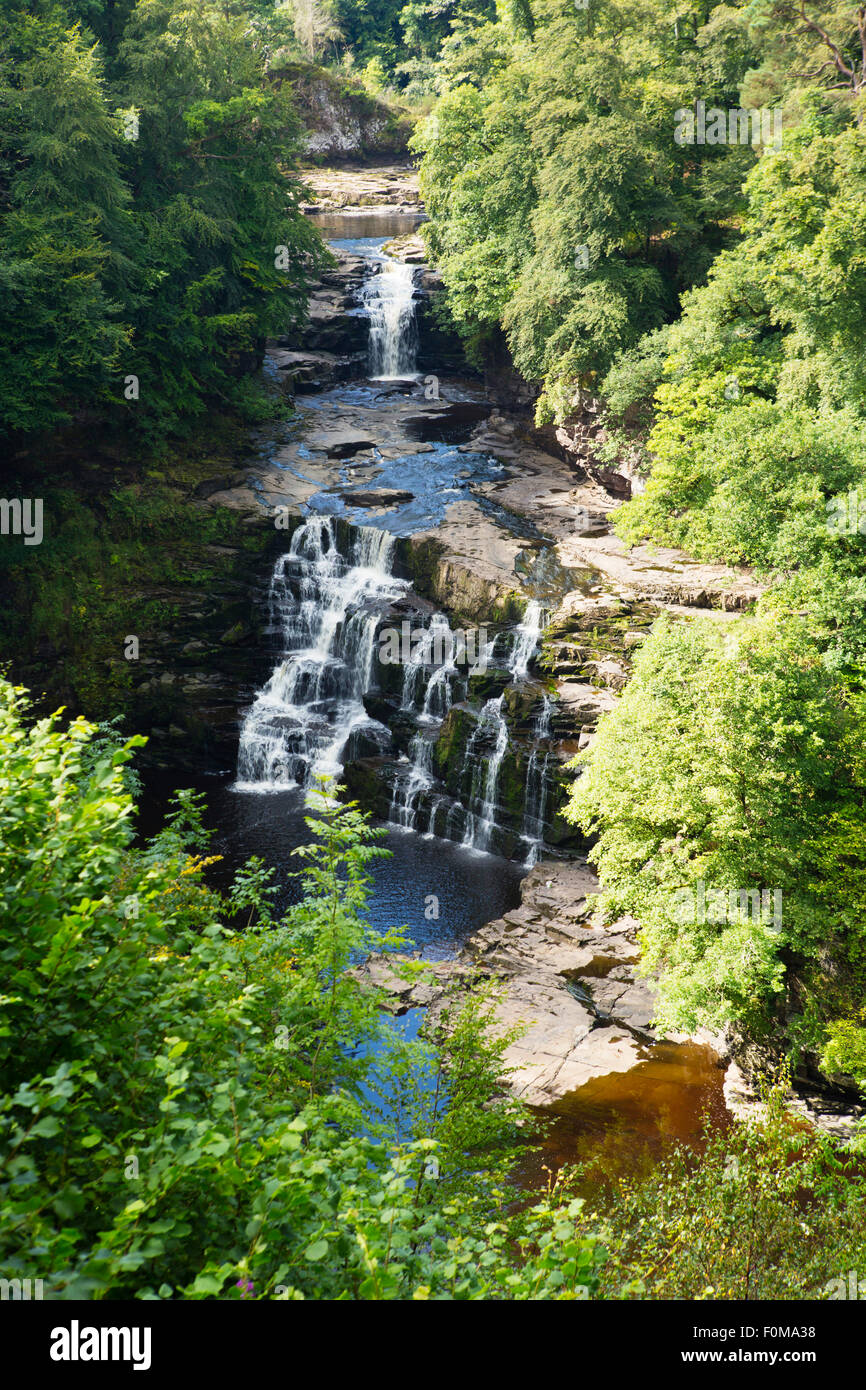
[402,493]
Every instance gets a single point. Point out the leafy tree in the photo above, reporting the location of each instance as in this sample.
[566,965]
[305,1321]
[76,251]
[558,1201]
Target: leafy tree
[150,231]
[226,253]
[759,408]
[561,206]
[64,226]
[733,764]
[767,1210]
[182,1106]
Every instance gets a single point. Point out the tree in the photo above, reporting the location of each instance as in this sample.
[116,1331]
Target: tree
[733,765]
[64,229]
[315,25]
[226,253]
[180,1113]
[561,206]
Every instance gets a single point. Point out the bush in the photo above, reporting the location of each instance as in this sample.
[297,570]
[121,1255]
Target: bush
[182,1107]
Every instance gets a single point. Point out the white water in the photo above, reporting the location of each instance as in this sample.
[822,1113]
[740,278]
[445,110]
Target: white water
[493,729]
[535,805]
[404,803]
[481,818]
[528,633]
[389,299]
[327,609]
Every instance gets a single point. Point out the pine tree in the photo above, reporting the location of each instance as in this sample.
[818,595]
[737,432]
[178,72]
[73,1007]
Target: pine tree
[64,224]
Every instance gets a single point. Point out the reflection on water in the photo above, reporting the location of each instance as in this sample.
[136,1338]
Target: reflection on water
[620,1124]
[435,479]
[421,877]
[344,227]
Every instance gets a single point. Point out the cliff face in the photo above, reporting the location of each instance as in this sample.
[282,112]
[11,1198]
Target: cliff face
[342,120]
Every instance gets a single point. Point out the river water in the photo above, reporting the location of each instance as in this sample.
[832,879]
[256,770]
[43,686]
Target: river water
[326,600]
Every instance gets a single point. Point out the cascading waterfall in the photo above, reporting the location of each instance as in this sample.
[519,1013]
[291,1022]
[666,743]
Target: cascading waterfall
[535,805]
[327,608]
[433,695]
[487,746]
[407,791]
[482,815]
[528,633]
[389,300]
[491,729]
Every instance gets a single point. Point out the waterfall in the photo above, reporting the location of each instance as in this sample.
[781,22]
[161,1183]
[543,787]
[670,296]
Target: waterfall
[327,609]
[528,633]
[481,817]
[435,647]
[389,299]
[535,804]
[407,791]
[309,718]
[431,695]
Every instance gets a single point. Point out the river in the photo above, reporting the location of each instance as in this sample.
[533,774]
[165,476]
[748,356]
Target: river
[460,837]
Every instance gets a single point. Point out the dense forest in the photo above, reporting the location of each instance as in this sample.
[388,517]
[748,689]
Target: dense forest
[197,1100]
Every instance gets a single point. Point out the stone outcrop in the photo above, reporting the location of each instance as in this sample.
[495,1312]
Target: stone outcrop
[836,1116]
[341,119]
[300,372]
[335,190]
[568,984]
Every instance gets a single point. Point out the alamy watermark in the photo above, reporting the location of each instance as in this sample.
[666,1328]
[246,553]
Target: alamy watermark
[22,516]
[409,646]
[701,904]
[21,1290]
[846,514]
[846,1286]
[697,125]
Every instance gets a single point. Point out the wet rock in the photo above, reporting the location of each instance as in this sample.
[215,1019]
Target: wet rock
[381,497]
[209,486]
[313,371]
[409,249]
[546,955]
[368,741]
[394,185]
[334,324]
[487,685]
[836,1116]
[339,443]
[445,419]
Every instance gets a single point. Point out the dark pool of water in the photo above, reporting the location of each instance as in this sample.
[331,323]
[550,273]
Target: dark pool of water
[421,876]
[621,1124]
[363,229]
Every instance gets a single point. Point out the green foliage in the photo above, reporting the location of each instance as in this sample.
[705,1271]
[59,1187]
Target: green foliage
[143,218]
[64,228]
[760,406]
[182,1106]
[748,482]
[734,760]
[561,207]
[768,1211]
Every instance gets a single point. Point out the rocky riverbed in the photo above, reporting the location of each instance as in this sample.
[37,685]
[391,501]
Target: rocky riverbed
[515,521]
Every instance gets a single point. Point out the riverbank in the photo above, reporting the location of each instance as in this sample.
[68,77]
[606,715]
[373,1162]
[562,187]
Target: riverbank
[485,527]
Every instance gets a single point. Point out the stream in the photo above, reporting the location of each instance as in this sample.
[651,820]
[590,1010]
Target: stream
[331,702]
